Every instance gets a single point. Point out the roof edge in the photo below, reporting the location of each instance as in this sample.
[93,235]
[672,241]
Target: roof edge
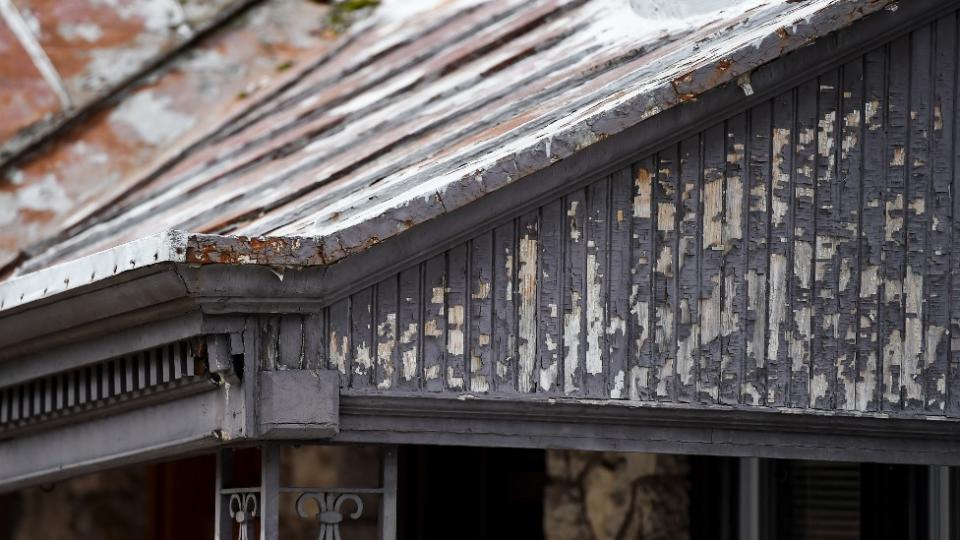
[171,246]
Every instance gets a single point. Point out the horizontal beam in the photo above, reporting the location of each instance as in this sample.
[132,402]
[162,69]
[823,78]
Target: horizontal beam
[620,426]
[158,431]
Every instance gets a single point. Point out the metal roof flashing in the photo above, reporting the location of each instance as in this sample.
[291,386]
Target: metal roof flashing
[111,265]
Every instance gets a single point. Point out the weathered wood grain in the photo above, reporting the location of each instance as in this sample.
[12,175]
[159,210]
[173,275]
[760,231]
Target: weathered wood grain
[387,338]
[597,277]
[641,280]
[847,230]
[939,199]
[409,325]
[735,262]
[481,313]
[711,263]
[528,252]
[362,339]
[550,297]
[800,254]
[434,327]
[804,242]
[664,278]
[689,225]
[781,220]
[872,233]
[505,353]
[618,314]
[895,153]
[455,367]
[754,386]
[574,292]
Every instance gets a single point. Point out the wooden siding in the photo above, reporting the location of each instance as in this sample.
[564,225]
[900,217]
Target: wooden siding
[802,254]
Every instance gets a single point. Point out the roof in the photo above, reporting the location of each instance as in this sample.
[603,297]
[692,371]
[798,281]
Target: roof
[414,113]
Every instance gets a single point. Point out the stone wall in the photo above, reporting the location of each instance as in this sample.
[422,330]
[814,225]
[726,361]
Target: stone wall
[613,496]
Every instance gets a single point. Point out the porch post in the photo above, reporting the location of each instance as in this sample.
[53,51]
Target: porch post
[388,505]
[270,492]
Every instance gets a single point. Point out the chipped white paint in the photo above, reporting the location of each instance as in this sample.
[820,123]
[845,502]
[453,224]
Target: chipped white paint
[757,304]
[781,176]
[437,296]
[571,339]
[892,358]
[548,377]
[870,111]
[733,224]
[729,319]
[663,337]
[455,330]
[710,312]
[777,306]
[893,223]
[639,380]
[482,292]
[899,157]
[572,214]
[454,381]
[595,311]
[409,356]
[616,392]
[386,341]
[910,375]
[666,214]
[362,358]
[642,200]
[712,210]
[339,350]
[527,281]
[869,281]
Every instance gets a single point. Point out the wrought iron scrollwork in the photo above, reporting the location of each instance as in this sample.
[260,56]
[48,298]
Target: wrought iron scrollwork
[243,510]
[329,513]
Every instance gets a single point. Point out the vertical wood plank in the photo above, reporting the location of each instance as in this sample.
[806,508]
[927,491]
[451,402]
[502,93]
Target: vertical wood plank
[362,339]
[953,376]
[457,308]
[664,276]
[386,366]
[574,293]
[688,271]
[408,327]
[781,225]
[314,340]
[338,317]
[892,309]
[936,354]
[597,272]
[804,241]
[871,243]
[711,263]
[481,315]
[527,274]
[734,263]
[641,279]
[848,231]
[619,272]
[434,321]
[290,342]
[826,352]
[916,220]
[505,320]
[550,298]
[754,386]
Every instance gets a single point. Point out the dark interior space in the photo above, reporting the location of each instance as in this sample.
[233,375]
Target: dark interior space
[713,497]
[470,493]
[810,500]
